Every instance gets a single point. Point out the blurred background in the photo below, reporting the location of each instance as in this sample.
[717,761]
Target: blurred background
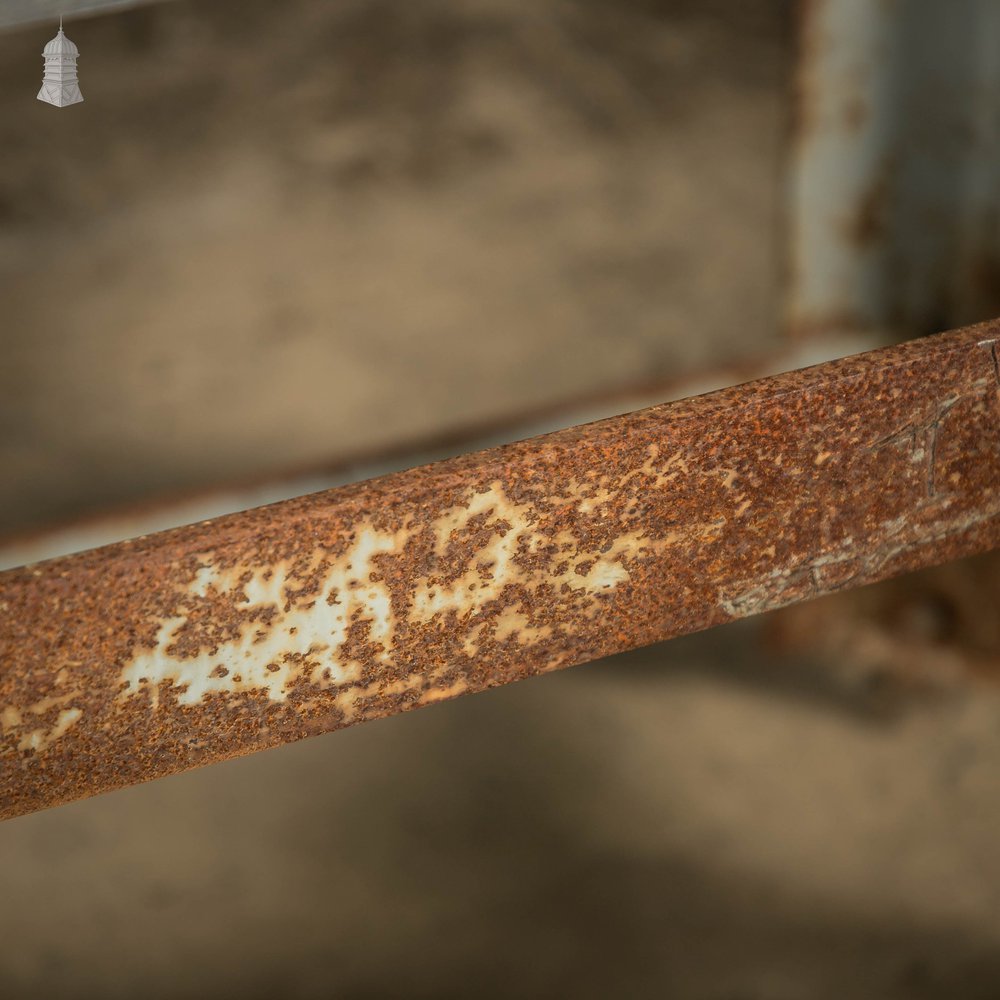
[282,246]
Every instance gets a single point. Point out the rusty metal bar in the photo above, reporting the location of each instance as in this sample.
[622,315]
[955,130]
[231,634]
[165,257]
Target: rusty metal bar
[158,513]
[149,657]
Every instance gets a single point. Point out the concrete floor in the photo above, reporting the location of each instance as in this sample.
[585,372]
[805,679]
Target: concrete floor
[277,233]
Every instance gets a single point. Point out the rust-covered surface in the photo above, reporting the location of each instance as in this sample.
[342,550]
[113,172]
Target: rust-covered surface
[149,657]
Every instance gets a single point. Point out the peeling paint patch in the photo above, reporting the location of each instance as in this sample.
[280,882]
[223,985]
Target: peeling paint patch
[289,633]
[513,623]
[439,694]
[39,739]
[10,718]
[15,721]
[283,633]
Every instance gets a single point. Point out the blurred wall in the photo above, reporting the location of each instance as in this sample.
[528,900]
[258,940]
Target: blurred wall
[274,234]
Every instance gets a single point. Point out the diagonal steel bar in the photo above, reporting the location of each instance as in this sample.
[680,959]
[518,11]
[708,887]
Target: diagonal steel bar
[152,656]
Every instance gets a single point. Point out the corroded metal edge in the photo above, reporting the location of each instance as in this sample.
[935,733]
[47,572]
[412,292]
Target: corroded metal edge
[148,657]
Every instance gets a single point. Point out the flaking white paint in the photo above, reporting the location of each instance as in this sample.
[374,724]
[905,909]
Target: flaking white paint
[289,634]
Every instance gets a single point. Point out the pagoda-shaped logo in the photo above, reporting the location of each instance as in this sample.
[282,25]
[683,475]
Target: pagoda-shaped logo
[60,86]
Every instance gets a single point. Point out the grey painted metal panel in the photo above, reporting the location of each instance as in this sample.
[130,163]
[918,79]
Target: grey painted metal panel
[22,12]
[895,214]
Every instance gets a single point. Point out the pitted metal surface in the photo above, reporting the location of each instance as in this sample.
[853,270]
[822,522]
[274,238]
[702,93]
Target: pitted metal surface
[148,657]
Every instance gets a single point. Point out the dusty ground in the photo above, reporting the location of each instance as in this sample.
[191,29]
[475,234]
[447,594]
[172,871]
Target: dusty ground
[275,233]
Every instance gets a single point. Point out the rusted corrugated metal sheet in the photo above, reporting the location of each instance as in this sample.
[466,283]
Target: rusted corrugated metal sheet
[146,658]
